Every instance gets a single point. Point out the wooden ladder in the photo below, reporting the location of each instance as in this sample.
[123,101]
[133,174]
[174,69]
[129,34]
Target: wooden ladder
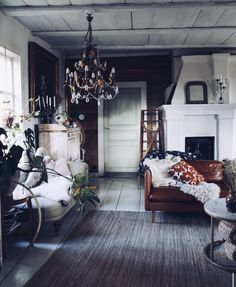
[151,132]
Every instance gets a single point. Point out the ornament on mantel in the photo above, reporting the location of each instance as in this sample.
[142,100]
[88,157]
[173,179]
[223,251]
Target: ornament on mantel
[60,116]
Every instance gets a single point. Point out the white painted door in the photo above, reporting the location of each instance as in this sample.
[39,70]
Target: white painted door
[122,127]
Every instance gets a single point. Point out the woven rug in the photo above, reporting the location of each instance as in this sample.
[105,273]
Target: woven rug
[109,249]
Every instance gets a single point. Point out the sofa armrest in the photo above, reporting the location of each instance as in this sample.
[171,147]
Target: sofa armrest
[147,185]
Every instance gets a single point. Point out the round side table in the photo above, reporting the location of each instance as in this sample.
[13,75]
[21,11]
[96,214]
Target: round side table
[217,210]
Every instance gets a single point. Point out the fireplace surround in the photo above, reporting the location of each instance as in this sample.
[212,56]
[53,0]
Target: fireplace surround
[201,120]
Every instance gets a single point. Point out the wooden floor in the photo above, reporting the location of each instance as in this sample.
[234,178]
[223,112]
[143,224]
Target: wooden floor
[115,192]
[120,193]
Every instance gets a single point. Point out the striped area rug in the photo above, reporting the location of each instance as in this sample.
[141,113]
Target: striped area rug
[116,249]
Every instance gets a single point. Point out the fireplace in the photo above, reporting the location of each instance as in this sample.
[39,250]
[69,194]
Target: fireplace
[205,120]
[202,147]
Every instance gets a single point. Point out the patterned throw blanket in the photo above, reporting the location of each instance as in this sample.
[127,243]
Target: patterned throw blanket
[155,154]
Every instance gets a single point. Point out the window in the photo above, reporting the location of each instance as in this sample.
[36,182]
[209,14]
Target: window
[10,85]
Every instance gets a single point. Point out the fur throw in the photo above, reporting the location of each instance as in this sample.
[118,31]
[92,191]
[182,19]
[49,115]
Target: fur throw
[203,192]
[57,188]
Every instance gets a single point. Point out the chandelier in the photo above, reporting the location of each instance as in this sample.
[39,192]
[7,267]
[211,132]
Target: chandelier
[86,82]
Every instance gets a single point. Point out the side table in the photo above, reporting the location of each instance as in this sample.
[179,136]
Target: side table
[217,210]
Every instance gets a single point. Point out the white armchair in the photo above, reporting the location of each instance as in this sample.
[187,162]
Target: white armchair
[54,197]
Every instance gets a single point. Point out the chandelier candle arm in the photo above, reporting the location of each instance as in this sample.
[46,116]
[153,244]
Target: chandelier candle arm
[87,82]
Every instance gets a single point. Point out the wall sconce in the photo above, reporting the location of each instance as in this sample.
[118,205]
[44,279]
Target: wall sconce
[220,87]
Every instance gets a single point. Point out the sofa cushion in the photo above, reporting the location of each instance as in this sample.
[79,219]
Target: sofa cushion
[212,170]
[169,194]
[185,173]
[174,194]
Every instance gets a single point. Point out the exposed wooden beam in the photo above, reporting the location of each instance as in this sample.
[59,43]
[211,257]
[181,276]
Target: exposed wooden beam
[61,9]
[133,31]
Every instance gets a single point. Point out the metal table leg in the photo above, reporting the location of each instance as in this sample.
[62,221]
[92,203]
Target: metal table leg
[212,239]
[233,279]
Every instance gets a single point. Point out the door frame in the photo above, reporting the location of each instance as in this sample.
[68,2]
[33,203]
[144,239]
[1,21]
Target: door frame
[101,128]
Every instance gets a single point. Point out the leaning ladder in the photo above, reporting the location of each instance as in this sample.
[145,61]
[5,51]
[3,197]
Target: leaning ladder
[151,132]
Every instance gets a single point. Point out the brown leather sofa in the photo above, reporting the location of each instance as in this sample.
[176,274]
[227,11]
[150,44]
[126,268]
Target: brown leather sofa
[170,198]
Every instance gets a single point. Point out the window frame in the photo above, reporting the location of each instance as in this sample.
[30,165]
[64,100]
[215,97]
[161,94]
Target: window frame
[15,108]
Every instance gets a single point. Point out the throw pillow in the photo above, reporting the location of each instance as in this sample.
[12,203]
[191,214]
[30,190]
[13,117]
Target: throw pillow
[25,167]
[61,167]
[33,178]
[185,173]
[49,163]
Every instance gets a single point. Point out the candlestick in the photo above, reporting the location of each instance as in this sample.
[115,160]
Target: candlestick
[60,109]
[47,100]
[220,87]
[39,102]
[44,106]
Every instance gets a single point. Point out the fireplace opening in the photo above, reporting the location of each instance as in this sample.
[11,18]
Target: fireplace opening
[202,147]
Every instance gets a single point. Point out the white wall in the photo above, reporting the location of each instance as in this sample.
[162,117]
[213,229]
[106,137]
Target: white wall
[231,78]
[15,37]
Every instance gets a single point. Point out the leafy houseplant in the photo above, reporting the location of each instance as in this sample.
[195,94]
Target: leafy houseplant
[83,193]
[230,177]
[8,163]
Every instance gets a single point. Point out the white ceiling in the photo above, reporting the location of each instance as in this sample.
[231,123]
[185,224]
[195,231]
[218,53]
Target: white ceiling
[130,25]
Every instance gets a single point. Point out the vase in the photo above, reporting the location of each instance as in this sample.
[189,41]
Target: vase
[231,202]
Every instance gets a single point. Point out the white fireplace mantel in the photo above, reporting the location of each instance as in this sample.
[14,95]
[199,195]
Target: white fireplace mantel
[217,120]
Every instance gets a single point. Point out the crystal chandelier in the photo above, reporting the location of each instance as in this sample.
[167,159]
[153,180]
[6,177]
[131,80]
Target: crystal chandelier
[86,81]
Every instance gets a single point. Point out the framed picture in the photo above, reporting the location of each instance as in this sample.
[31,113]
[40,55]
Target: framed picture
[196,92]
[43,79]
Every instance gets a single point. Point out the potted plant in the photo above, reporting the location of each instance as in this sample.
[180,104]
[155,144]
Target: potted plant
[83,193]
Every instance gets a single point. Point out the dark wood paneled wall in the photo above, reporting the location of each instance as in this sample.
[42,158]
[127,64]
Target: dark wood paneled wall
[154,70]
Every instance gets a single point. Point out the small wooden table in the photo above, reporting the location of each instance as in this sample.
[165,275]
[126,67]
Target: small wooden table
[217,210]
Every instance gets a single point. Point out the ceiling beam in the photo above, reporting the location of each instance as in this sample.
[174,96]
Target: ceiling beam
[142,48]
[132,31]
[61,9]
